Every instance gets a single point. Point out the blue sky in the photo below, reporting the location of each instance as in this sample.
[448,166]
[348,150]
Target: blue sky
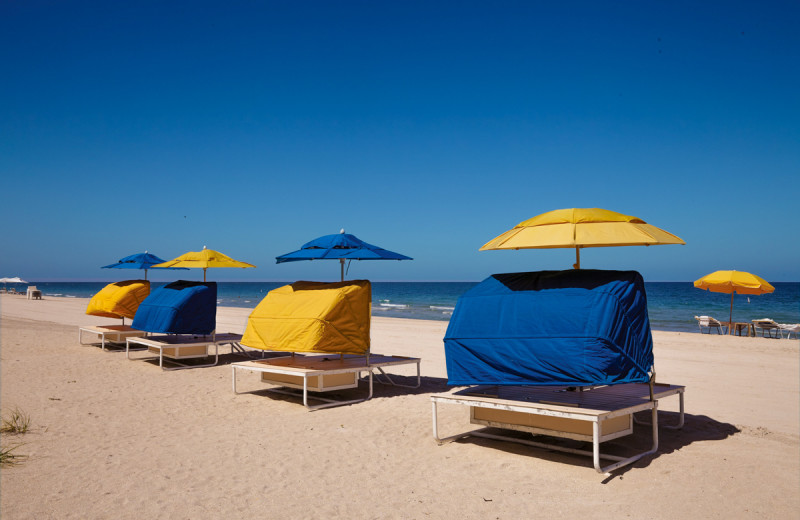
[425,127]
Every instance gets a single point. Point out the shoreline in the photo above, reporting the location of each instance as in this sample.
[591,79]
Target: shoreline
[112,437]
[238,310]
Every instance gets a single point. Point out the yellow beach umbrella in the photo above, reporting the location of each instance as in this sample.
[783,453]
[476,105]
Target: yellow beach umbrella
[580,228]
[203,260]
[730,282]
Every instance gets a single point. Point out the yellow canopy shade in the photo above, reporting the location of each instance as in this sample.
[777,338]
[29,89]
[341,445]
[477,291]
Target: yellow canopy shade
[312,317]
[119,299]
[730,282]
[203,260]
[579,228]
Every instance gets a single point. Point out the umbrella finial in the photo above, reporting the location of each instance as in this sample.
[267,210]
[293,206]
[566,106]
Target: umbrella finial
[341,231]
[204,247]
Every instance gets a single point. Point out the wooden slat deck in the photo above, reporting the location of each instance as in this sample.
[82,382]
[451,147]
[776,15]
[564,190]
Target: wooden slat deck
[187,340]
[327,363]
[597,401]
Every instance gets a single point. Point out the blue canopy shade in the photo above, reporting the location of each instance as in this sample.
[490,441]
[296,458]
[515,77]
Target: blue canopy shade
[340,246]
[179,308]
[139,261]
[573,328]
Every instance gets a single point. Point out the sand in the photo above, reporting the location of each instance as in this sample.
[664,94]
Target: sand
[113,438]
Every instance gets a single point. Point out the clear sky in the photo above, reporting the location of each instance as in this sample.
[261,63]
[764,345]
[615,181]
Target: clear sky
[427,128]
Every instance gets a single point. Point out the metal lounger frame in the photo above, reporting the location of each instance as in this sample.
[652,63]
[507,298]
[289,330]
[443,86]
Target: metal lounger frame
[370,365]
[215,339]
[563,412]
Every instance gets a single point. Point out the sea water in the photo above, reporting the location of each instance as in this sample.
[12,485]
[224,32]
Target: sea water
[671,305]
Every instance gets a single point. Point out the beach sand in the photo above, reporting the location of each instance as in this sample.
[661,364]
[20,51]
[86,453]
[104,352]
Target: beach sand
[113,438]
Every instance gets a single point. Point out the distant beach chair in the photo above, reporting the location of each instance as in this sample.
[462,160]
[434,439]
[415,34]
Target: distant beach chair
[768,327]
[709,323]
[789,328]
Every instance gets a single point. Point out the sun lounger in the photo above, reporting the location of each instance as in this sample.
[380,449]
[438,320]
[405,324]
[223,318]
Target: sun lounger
[108,334]
[768,328]
[313,318]
[180,318]
[324,373]
[596,415]
[176,348]
[116,300]
[558,353]
[788,328]
[709,323]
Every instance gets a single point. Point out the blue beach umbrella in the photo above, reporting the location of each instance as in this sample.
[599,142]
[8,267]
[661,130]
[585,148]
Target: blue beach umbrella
[341,246]
[140,261]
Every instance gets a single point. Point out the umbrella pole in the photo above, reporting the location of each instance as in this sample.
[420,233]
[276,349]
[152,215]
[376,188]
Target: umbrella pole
[204,275]
[341,266]
[577,258]
[730,316]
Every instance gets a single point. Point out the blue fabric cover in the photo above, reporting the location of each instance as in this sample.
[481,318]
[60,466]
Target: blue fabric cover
[575,328]
[179,308]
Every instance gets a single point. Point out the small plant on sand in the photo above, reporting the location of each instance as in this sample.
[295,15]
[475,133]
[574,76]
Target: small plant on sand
[9,458]
[17,422]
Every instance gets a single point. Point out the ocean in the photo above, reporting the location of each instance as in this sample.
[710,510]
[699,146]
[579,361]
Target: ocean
[671,306]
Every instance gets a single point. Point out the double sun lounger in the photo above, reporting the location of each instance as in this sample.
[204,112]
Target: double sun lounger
[321,333]
[555,353]
[593,415]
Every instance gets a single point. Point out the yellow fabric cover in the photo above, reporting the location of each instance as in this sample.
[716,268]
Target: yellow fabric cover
[312,317]
[119,299]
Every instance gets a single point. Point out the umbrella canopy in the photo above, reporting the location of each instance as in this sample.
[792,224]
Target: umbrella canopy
[580,228]
[16,279]
[341,246]
[203,260]
[730,282]
[139,261]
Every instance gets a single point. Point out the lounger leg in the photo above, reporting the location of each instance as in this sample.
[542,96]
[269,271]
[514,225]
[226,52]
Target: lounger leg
[677,426]
[436,437]
[391,381]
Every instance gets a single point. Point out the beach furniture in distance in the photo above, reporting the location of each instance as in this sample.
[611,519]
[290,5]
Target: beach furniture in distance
[322,331]
[708,323]
[788,328]
[735,282]
[118,300]
[33,293]
[564,354]
[768,328]
[180,319]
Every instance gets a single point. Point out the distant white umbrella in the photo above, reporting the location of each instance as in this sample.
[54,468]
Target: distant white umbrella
[16,279]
